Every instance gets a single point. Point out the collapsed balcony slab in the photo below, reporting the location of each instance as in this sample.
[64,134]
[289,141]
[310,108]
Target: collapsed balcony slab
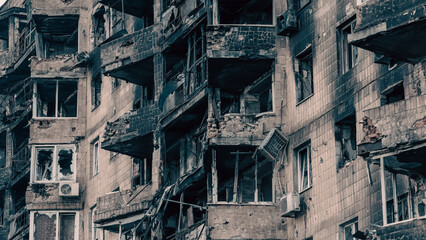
[130,57]
[56,67]
[394,28]
[132,133]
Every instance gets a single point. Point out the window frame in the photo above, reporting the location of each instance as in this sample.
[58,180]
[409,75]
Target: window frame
[35,92]
[342,228]
[55,169]
[298,60]
[93,98]
[95,156]
[57,222]
[348,54]
[306,146]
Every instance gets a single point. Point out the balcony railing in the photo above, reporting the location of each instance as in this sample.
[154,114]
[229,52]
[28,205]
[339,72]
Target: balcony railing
[21,161]
[25,40]
[19,223]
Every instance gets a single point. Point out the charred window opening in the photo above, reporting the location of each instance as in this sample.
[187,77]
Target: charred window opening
[242,178]
[299,4]
[245,12]
[56,99]
[141,171]
[54,225]
[115,83]
[61,41]
[18,193]
[96,87]
[99,25]
[393,94]
[184,213]
[258,98]
[144,96]
[304,168]
[2,150]
[116,21]
[54,163]
[348,229]
[229,103]
[186,68]
[304,75]
[348,53]
[2,207]
[345,135]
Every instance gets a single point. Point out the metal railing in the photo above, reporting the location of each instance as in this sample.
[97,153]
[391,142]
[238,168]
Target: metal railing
[21,160]
[25,40]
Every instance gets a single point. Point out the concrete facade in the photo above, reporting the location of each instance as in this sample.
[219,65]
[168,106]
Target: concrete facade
[212,119]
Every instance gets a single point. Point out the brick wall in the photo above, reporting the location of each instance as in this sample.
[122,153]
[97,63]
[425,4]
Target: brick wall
[411,229]
[229,221]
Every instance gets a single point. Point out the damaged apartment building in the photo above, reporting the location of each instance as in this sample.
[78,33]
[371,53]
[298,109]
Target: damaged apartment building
[212,119]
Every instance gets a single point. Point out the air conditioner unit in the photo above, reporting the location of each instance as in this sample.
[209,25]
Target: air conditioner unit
[273,145]
[290,204]
[68,189]
[287,23]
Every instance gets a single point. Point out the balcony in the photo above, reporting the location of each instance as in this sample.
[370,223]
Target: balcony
[393,28]
[259,221]
[19,226]
[14,64]
[61,66]
[413,228]
[237,55]
[238,129]
[138,8]
[131,131]
[130,57]
[396,132]
[21,163]
[48,8]
[121,205]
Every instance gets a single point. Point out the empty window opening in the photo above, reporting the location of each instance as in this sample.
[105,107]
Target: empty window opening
[304,75]
[144,96]
[56,99]
[54,163]
[348,229]
[304,165]
[2,150]
[141,171]
[258,98]
[348,53]
[56,225]
[229,103]
[393,94]
[96,87]
[95,156]
[2,207]
[245,12]
[61,42]
[345,136]
[115,83]
[116,21]
[242,178]
[99,25]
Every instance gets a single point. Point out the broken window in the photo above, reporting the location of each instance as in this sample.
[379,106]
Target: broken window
[403,210]
[304,168]
[258,98]
[393,94]
[54,163]
[348,229]
[196,60]
[304,75]
[54,225]
[115,83]
[348,53]
[99,25]
[345,136]
[116,21]
[96,87]
[144,96]
[245,12]
[243,178]
[56,99]
[95,156]
[141,171]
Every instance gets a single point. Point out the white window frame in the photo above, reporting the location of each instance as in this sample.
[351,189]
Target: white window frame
[95,157]
[353,223]
[57,213]
[93,224]
[299,169]
[55,167]
[345,48]
[56,99]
